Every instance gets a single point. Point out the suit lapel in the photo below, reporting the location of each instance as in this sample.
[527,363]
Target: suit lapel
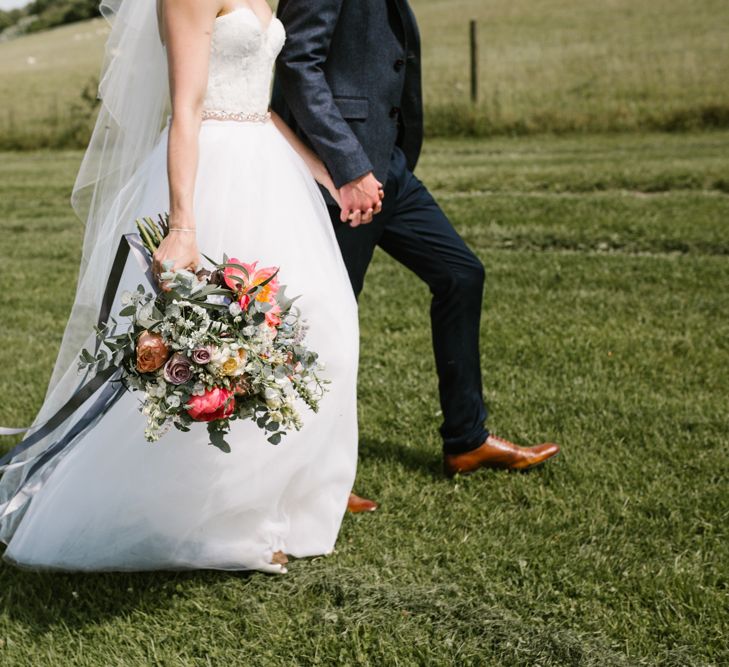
[400,11]
[407,23]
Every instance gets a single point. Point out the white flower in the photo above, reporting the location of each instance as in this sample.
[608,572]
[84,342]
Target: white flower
[144,312]
[234,309]
[173,400]
[273,399]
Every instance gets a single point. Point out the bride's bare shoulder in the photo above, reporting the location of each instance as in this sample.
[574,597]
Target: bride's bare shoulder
[214,7]
[203,8]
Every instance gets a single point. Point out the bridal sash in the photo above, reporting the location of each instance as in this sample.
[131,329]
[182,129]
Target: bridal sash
[106,384]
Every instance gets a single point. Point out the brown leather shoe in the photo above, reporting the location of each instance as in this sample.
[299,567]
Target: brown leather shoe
[356,505]
[496,452]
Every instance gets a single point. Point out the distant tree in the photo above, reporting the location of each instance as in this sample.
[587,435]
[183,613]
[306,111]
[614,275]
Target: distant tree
[51,13]
[5,20]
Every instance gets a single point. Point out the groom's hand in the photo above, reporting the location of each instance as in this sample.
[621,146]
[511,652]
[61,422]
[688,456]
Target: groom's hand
[361,199]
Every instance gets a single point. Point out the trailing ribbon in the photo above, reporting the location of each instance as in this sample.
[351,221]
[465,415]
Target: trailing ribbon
[108,397]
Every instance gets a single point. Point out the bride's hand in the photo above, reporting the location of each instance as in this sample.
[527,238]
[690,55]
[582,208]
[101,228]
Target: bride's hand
[180,247]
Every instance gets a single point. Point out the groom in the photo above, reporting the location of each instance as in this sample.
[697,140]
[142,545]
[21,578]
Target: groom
[349,82]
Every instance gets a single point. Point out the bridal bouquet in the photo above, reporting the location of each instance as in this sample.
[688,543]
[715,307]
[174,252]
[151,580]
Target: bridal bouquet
[215,346]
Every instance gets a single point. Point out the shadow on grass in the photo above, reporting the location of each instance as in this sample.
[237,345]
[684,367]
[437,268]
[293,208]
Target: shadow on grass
[424,461]
[45,600]
[417,459]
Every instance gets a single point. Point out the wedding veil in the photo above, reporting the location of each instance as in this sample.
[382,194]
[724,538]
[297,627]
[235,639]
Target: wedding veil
[134,94]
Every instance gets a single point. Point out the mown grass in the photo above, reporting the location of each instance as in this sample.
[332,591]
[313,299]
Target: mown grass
[604,329]
[552,66]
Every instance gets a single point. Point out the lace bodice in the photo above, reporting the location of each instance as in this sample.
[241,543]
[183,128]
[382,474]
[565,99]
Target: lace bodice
[242,55]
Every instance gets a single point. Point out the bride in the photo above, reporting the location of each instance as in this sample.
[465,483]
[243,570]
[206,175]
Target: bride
[235,180]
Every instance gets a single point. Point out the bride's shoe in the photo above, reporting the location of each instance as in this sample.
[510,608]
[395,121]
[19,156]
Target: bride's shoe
[279,558]
[356,504]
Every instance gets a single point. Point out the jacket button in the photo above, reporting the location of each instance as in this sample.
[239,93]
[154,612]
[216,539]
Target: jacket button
[394,112]
[399,64]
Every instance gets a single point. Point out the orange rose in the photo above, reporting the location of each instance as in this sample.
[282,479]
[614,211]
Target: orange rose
[151,352]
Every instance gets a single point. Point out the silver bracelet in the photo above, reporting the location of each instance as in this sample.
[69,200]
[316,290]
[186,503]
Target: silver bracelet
[182,229]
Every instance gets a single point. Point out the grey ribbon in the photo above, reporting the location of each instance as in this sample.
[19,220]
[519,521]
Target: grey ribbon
[109,380]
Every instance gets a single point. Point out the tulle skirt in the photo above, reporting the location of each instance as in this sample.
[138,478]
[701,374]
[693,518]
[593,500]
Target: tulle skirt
[117,502]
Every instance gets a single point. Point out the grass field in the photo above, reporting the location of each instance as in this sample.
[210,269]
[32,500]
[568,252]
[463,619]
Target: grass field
[605,328]
[551,65]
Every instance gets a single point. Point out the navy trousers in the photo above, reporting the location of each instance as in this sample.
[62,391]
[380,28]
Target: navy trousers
[414,231]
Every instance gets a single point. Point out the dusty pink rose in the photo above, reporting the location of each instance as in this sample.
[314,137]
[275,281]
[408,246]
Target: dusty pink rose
[151,352]
[178,369]
[211,405]
[202,355]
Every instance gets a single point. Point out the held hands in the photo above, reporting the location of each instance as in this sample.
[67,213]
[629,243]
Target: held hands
[360,200]
[180,247]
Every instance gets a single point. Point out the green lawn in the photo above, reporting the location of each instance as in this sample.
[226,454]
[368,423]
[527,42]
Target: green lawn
[605,328]
[552,65]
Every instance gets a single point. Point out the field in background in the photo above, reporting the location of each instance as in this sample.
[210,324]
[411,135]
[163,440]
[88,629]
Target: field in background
[566,65]
[604,328]
[549,65]
[42,81]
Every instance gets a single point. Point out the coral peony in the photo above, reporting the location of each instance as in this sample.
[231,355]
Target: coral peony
[273,316]
[244,281]
[212,405]
[151,352]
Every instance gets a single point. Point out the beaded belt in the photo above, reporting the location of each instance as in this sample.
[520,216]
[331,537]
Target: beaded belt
[215,114]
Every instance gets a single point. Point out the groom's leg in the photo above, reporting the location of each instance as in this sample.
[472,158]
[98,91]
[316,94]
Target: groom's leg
[419,235]
[358,243]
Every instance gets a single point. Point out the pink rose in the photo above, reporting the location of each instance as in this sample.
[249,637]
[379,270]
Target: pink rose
[212,405]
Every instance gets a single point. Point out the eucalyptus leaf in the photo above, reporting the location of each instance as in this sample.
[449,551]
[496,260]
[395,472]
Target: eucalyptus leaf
[217,439]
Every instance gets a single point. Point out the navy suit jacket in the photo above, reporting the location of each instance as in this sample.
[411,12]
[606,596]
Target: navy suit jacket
[348,81]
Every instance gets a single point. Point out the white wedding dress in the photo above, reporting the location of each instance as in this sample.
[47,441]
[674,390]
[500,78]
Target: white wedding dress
[117,502]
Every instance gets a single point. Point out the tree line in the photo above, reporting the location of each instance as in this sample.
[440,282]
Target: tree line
[44,14]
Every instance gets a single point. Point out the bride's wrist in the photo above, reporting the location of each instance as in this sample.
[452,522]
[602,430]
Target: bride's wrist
[181,222]
[326,181]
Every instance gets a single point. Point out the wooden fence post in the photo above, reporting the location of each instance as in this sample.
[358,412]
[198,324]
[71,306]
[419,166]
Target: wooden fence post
[474,61]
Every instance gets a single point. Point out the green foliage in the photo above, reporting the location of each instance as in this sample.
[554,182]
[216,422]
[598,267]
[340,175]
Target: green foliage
[47,14]
[10,17]
[604,328]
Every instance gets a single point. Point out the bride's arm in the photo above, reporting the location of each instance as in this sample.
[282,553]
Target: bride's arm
[187,28]
[316,166]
